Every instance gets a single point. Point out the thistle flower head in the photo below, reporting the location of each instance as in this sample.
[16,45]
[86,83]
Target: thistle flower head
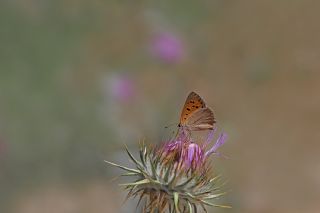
[176,176]
[187,154]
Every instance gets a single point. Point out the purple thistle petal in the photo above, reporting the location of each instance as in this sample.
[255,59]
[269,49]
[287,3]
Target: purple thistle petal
[209,138]
[191,154]
[194,156]
[172,146]
[221,140]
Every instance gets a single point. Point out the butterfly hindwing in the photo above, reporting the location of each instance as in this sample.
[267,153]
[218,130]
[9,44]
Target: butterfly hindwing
[201,119]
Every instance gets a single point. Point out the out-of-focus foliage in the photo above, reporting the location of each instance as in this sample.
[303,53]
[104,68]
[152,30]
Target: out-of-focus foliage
[78,79]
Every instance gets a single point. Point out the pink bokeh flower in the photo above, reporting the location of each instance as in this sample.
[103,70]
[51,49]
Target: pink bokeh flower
[122,88]
[167,47]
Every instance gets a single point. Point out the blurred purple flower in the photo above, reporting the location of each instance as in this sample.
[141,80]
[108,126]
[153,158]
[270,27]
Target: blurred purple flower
[167,47]
[122,88]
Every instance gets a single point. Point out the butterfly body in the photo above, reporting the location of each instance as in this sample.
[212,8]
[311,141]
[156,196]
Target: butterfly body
[195,115]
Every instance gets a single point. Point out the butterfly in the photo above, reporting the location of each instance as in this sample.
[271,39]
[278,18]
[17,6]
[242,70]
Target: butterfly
[195,115]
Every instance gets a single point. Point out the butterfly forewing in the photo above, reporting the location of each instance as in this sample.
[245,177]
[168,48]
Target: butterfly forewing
[193,103]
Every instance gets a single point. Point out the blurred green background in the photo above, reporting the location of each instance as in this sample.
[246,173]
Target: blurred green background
[78,79]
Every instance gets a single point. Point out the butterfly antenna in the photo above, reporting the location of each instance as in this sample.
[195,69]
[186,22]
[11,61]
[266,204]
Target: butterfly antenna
[170,125]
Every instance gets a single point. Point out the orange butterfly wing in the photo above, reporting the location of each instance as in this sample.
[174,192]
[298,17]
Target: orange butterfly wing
[192,104]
